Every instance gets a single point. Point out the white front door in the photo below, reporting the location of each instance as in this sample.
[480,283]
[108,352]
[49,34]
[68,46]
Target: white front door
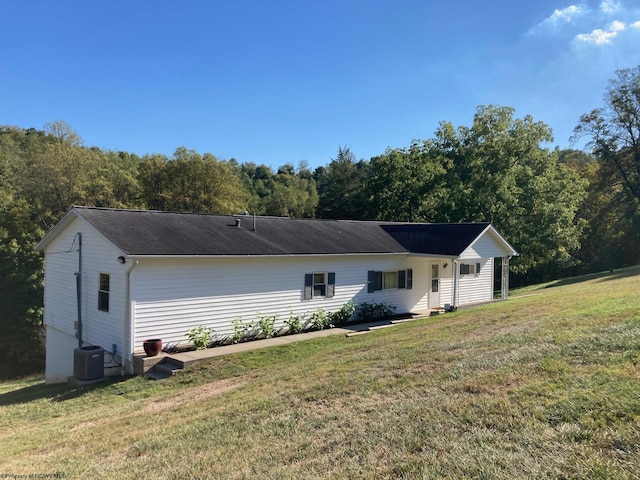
[434,288]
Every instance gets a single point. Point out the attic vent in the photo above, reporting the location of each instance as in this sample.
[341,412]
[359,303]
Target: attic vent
[238,222]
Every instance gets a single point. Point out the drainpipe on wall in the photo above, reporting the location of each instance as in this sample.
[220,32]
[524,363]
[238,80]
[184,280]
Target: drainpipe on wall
[127,347]
[454,299]
[78,275]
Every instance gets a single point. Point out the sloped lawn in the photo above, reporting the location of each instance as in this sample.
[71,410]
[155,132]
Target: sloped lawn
[546,385]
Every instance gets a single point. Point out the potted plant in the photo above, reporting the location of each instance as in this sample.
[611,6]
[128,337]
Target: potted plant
[152,347]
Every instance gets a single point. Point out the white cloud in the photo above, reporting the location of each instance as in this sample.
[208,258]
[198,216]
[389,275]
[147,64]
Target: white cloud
[617,26]
[566,15]
[601,37]
[610,6]
[592,26]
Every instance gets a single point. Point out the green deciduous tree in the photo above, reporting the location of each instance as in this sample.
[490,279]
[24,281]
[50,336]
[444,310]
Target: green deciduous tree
[406,184]
[501,173]
[614,130]
[22,339]
[154,181]
[611,238]
[291,195]
[613,134]
[496,171]
[44,173]
[191,182]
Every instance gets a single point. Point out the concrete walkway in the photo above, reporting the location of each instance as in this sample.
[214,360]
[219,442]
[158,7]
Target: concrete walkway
[142,363]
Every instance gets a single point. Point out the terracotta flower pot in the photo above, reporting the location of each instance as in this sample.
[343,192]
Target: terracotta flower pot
[152,347]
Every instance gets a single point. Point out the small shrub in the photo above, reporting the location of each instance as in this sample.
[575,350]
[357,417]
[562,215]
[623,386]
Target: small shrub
[200,336]
[343,315]
[375,311]
[320,320]
[241,331]
[266,325]
[293,323]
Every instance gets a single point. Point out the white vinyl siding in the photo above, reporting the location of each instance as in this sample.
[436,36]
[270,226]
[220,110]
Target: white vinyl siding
[60,305]
[446,284]
[477,288]
[61,263]
[172,296]
[486,246]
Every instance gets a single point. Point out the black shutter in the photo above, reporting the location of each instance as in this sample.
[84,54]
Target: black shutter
[477,267]
[378,280]
[402,279]
[371,281]
[308,286]
[331,284]
[409,278]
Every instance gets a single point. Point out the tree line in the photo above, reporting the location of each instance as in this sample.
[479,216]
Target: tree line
[565,211]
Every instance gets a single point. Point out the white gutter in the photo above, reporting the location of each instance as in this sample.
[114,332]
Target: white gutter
[428,255]
[287,255]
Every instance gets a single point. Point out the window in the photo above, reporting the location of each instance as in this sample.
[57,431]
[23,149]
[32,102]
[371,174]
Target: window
[469,268]
[319,284]
[389,280]
[103,292]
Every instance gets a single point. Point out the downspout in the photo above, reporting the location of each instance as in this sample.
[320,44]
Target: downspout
[454,299]
[78,275]
[128,332]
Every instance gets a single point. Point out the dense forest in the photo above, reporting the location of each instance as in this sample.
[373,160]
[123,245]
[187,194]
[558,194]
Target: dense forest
[565,211]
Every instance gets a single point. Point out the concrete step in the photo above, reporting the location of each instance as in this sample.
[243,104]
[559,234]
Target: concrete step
[167,368]
[173,361]
[153,374]
[380,327]
[355,334]
[402,320]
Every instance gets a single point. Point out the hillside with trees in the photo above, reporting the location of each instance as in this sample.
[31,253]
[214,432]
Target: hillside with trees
[565,211]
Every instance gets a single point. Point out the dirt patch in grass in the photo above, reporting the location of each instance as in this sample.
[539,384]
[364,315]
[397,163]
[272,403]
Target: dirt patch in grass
[189,395]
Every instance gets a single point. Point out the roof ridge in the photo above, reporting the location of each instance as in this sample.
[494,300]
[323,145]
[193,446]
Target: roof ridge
[251,215]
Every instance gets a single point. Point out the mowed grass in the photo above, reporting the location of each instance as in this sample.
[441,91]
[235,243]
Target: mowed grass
[546,385]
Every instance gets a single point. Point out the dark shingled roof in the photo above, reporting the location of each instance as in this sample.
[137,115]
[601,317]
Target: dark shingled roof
[137,232]
[449,239]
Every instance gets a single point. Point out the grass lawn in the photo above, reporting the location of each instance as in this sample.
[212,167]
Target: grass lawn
[546,385]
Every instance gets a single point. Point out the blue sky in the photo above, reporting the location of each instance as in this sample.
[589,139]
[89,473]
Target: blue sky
[283,81]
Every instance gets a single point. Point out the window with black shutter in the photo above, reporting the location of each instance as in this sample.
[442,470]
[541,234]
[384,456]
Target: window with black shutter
[319,284]
[389,280]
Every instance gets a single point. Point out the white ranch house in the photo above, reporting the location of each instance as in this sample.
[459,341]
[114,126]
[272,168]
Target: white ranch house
[114,278]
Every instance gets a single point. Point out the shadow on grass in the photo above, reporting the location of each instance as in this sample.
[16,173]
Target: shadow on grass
[600,276]
[58,392]
[623,273]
